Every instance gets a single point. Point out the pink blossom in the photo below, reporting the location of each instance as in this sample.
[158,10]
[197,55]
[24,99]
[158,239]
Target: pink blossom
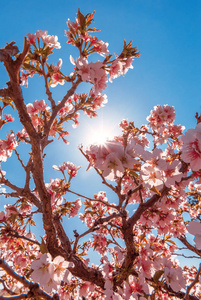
[8,118]
[174,277]
[195,229]
[68,108]
[72,169]
[127,65]
[60,266]
[2,216]
[49,273]
[83,69]
[56,76]
[51,41]
[43,269]
[115,69]
[98,45]
[191,149]
[152,176]
[160,116]
[31,37]
[7,146]
[112,167]
[74,210]
[41,34]
[61,167]
[98,100]
[36,107]
[23,78]
[100,243]
[171,172]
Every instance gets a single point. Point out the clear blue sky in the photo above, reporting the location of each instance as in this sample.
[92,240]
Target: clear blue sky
[167,33]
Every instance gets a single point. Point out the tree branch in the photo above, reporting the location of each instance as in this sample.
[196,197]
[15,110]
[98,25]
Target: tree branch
[189,246]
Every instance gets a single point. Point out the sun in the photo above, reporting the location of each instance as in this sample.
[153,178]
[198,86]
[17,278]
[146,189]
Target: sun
[100,132]
[100,136]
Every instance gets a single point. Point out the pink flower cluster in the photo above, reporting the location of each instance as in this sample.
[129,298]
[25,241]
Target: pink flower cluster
[69,166]
[49,40]
[75,36]
[7,146]
[36,107]
[91,72]
[111,158]
[49,273]
[156,171]
[35,110]
[120,66]
[56,76]
[161,115]
[191,148]
[161,122]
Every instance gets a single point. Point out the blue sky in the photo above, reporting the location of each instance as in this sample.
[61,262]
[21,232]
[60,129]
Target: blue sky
[167,34]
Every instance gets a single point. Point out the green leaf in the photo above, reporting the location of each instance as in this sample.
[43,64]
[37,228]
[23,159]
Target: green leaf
[133,173]
[81,20]
[8,101]
[154,189]
[157,275]
[92,29]
[43,247]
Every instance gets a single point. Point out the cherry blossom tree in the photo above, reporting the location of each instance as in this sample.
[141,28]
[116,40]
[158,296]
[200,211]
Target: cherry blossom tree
[153,172]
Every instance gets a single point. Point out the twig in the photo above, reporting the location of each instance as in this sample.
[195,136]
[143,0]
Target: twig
[99,173]
[93,200]
[130,193]
[15,234]
[23,193]
[57,109]
[48,93]
[189,246]
[18,157]
[93,228]
[193,283]
[177,254]
[6,288]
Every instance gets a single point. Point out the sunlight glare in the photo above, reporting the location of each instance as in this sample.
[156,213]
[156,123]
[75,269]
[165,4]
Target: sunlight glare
[100,136]
[100,133]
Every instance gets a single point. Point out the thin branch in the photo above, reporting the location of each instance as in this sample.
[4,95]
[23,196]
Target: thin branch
[99,173]
[93,200]
[149,203]
[17,297]
[6,288]
[48,93]
[177,254]
[93,228]
[28,174]
[130,193]
[193,283]
[57,109]
[22,192]
[15,234]
[189,246]
[114,241]
[18,157]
